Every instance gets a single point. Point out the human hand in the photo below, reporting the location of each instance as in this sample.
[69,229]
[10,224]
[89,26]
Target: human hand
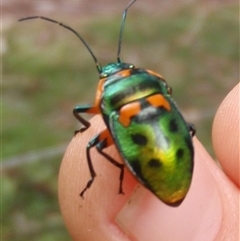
[209,212]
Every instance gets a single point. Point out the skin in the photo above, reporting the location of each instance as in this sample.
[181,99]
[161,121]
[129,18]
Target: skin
[209,212]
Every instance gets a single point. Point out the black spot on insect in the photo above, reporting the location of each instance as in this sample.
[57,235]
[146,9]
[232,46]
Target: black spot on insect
[154,163]
[173,126]
[179,153]
[139,139]
[137,171]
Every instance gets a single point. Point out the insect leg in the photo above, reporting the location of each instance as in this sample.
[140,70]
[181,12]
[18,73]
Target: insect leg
[84,109]
[101,141]
[91,144]
[192,129]
[100,146]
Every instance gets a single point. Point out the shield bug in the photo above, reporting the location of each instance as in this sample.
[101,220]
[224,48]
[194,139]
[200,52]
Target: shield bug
[143,121]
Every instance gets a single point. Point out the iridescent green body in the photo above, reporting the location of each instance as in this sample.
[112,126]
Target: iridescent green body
[156,145]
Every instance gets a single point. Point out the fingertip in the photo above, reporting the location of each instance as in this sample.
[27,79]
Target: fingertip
[226,134]
[95,215]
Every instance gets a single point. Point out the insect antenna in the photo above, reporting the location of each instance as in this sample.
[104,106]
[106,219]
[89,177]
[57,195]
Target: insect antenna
[99,68]
[122,28]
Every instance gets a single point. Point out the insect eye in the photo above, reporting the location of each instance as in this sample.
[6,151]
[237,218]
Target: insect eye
[103,75]
[169,90]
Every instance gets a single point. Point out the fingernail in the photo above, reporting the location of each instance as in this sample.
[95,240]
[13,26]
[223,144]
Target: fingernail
[144,217]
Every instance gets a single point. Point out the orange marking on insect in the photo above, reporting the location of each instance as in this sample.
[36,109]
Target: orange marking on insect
[93,110]
[155,74]
[96,108]
[105,135]
[125,73]
[159,100]
[128,111]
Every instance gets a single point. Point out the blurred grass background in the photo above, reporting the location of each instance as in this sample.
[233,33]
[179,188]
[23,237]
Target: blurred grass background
[47,71]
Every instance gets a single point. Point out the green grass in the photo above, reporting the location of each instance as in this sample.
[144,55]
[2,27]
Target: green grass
[47,71]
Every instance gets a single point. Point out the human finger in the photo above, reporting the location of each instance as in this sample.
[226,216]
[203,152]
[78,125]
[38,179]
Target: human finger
[141,215]
[226,134]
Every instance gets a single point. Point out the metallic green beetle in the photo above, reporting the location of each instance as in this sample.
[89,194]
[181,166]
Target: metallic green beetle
[142,120]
